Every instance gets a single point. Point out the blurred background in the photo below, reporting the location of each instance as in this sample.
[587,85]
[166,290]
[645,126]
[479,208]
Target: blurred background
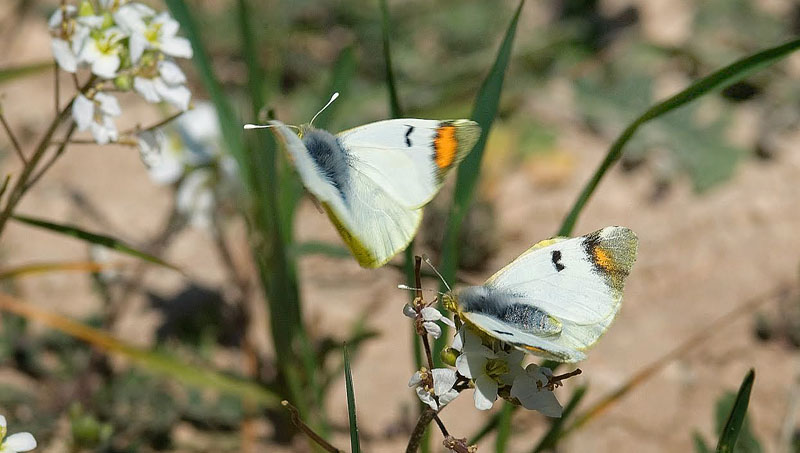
[712,190]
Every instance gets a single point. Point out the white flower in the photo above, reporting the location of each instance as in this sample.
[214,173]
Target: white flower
[487,369]
[101,50]
[65,57]
[196,199]
[168,85]
[530,388]
[15,443]
[150,31]
[162,155]
[443,380]
[97,116]
[430,316]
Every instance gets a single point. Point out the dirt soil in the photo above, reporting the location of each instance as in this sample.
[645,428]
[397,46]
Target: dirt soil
[699,258]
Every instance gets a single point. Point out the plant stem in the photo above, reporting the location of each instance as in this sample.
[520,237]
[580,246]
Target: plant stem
[11,136]
[419,431]
[21,185]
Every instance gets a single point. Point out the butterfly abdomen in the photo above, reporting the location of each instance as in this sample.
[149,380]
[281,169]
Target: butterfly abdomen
[508,308]
[329,156]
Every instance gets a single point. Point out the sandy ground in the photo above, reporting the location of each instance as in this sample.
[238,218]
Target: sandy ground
[699,258]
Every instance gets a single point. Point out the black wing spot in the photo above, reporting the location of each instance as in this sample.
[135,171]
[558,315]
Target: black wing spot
[408,134]
[503,332]
[556,257]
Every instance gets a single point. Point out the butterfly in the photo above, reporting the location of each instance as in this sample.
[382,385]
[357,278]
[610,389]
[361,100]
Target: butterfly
[374,180]
[557,298]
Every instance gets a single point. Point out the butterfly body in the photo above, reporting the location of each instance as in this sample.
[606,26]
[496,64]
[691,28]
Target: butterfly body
[373,180]
[556,299]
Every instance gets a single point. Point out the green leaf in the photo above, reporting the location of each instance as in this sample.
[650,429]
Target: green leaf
[716,80]
[550,439]
[9,74]
[319,248]
[484,112]
[746,443]
[355,445]
[157,362]
[93,238]
[736,417]
[391,86]
[504,427]
[699,443]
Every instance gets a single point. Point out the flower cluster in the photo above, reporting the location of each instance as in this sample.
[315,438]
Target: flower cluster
[14,443]
[490,366]
[189,154]
[127,44]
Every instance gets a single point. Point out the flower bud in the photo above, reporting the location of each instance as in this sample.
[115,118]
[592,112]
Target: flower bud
[123,82]
[85,9]
[449,356]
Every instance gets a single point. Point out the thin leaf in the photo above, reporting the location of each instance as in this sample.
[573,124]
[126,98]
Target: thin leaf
[504,428]
[42,268]
[699,443]
[394,102]
[717,80]
[9,74]
[550,439]
[484,112]
[729,435]
[355,445]
[319,248]
[93,238]
[157,362]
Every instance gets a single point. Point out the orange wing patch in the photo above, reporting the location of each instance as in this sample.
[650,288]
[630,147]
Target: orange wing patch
[445,146]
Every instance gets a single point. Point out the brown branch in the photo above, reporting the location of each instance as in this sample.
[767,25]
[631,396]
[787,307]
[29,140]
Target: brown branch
[54,157]
[11,136]
[419,430]
[295,416]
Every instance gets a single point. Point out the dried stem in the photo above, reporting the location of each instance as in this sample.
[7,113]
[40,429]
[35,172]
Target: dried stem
[11,136]
[61,147]
[295,416]
[419,430]
[56,84]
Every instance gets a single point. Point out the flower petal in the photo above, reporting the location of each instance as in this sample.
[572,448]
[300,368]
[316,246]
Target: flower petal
[20,442]
[471,365]
[62,52]
[176,47]
[447,397]
[426,398]
[485,392]
[3,423]
[531,397]
[443,380]
[416,379]
[146,88]
[177,95]
[433,329]
[458,341]
[171,73]
[82,112]
[431,314]
[106,65]
[137,44]
[108,104]
[409,311]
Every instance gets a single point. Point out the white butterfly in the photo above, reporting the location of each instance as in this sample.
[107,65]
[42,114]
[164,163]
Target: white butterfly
[373,180]
[556,299]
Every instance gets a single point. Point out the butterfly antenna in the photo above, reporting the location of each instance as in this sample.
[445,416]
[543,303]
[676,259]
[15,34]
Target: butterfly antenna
[333,98]
[411,288]
[265,126]
[428,260]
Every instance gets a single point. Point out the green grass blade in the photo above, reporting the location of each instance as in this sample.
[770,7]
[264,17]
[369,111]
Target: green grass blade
[714,81]
[355,445]
[13,73]
[729,435]
[699,443]
[93,238]
[484,112]
[156,362]
[344,70]
[550,439]
[319,248]
[394,102]
[504,428]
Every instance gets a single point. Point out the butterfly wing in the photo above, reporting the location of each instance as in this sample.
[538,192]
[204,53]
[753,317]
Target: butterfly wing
[408,158]
[522,340]
[578,282]
[374,225]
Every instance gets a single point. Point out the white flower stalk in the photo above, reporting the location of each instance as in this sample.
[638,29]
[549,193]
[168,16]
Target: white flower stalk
[489,370]
[15,443]
[531,389]
[435,387]
[150,31]
[167,84]
[97,115]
